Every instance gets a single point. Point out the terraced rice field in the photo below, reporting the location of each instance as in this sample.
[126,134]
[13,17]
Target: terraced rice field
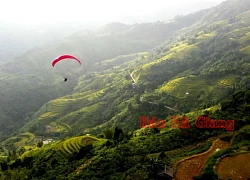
[96,95]
[48,115]
[21,139]
[227,81]
[244,17]
[170,86]
[87,109]
[239,32]
[82,94]
[192,166]
[246,49]
[235,167]
[180,86]
[206,36]
[179,51]
[69,146]
[56,113]
[55,108]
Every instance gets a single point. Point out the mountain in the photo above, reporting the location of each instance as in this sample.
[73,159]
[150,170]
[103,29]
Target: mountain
[36,82]
[14,39]
[196,64]
[199,68]
[113,28]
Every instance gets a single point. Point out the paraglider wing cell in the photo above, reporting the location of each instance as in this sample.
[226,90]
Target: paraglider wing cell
[62,57]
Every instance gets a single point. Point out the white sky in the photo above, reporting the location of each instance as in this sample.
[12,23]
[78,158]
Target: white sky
[87,11]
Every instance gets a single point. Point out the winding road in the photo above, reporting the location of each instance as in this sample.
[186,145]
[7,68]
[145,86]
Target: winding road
[132,77]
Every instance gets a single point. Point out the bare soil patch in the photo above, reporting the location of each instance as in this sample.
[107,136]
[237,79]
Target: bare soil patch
[192,166]
[234,167]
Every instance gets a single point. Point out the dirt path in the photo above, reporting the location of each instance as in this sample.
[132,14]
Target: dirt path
[80,168]
[192,166]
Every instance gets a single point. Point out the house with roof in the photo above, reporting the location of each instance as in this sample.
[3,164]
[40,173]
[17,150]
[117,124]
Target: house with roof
[167,174]
[47,141]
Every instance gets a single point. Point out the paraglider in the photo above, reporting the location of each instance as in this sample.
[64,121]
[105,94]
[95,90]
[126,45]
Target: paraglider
[63,57]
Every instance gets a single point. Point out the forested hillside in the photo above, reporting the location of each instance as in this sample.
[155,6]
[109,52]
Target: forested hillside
[195,70]
[29,81]
[142,154]
[197,65]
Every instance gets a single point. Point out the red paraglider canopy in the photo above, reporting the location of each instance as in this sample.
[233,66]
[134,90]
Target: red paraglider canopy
[62,57]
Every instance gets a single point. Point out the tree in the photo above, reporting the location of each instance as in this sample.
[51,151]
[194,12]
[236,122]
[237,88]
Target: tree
[40,144]
[156,166]
[28,161]
[162,156]
[9,153]
[156,130]
[121,137]
[100,136]
[16,164]
[21,151]
[84,151]
[130,107]
[191,41]
[127,77]
[108,133]
[137,98]
[14,155]
[117,134]
[4,166]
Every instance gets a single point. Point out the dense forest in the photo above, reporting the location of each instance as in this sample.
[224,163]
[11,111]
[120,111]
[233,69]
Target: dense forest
[196,65]
[116,154]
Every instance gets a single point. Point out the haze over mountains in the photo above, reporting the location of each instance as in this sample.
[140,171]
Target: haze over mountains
[15,40]
[32,69]
[192,65]
[52,40]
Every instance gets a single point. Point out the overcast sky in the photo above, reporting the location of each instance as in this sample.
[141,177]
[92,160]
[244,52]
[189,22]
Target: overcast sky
[94,11]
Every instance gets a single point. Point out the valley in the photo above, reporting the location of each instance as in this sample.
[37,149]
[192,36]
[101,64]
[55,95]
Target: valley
[89,127]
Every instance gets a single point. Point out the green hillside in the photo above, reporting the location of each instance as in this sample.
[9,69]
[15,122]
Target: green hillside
[127,155]
[87,106]
[28,81]
[197,70]
[200,69]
